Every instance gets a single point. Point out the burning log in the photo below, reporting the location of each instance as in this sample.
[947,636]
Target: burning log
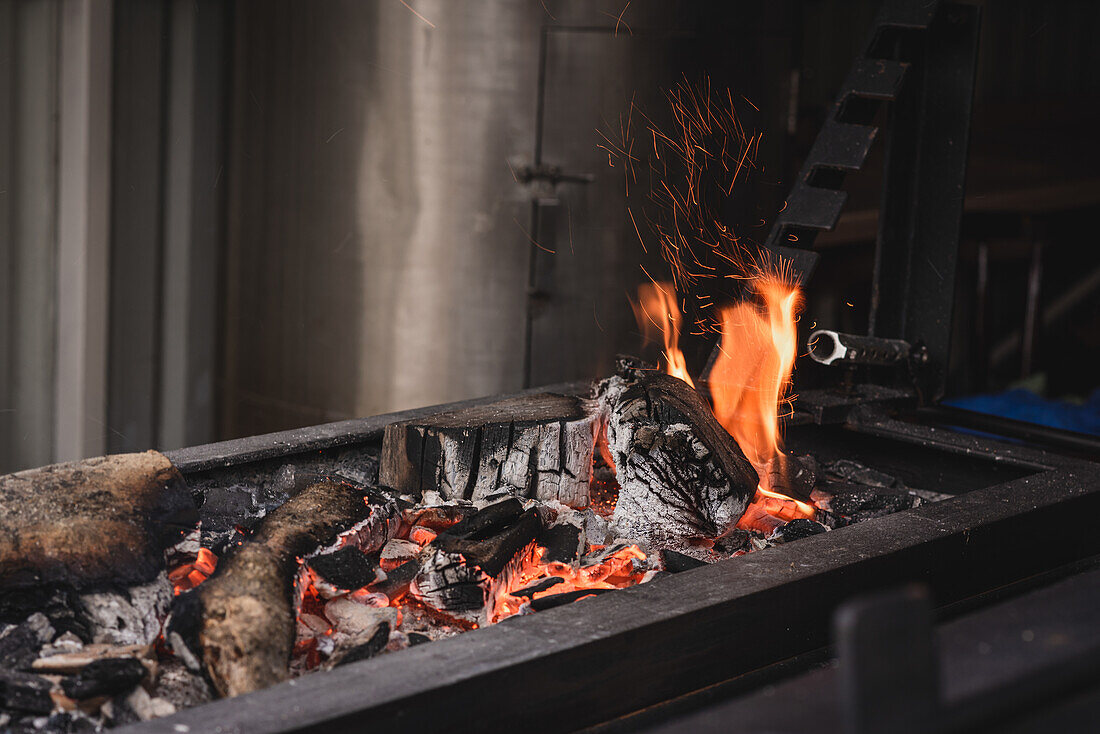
[99,521]
[238,627]
[681,475]
[535,446]
[467,568]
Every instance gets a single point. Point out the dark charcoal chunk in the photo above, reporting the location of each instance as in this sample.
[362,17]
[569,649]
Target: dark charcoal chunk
[861,502]
[733,541]
[801,528]
[368,649]
[857,473]
[56,601]
[25,692]
[543,585]
[105,678]
[415,638]
[562,542]
[347,568]
[19,647]
[70,722]
[558,600]
[676,562]
[396,583]
[487,522]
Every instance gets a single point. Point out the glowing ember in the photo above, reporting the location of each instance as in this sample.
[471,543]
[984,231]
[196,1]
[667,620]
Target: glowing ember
[614,571]
[657,311]
[189,575]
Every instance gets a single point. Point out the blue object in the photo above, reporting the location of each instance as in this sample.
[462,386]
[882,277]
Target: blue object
[1024,405]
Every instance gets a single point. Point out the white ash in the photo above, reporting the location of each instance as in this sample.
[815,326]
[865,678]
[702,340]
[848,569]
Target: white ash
[179,686]
[131,617]
[353,619]
[65,644]
[147,707]
[396,552]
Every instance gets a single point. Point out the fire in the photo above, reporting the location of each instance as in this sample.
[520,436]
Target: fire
[616,571]
[696,167]
[657,310]
[189,575]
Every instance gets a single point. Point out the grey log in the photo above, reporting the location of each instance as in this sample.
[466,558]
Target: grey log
[538,446]
[238,627]
[97,521]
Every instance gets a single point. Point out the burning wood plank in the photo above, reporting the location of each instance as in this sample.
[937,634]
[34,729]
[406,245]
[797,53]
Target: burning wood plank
[535,446]
[467,568]
[681,475]
[238,627]
[105,520]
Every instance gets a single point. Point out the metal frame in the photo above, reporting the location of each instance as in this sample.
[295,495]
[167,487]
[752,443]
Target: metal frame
[578,665]
[921,57]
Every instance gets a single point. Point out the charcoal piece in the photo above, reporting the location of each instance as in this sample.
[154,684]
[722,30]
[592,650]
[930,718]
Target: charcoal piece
[681,475]
[364,650]
[59,602]
[70,722]
[538,446]
[559,600]
[347,568]
[20,644]
[25,692]
[792,476]
[800,528]
[856,473]
[562,543]
[106,677]
[102,520]
[676,562]
[460,578]
[238,626]
[415,638]
[399,551]
[396,583]
[487,522]
[862,502]
[530,591]
[733,541]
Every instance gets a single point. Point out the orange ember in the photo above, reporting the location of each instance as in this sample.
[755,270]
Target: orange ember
[657,311]
[189,575]
[616,571]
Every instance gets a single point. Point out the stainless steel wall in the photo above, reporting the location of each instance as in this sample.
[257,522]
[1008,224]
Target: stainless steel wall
[380,251]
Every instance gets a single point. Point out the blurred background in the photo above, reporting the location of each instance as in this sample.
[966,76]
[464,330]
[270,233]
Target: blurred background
[227,218]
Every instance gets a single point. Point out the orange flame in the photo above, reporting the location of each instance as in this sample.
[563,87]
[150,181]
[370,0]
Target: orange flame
[750,379]
[657,310]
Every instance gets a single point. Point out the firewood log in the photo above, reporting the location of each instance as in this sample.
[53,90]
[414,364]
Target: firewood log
[92,522]
[238,627]
[681,475]
[534,446]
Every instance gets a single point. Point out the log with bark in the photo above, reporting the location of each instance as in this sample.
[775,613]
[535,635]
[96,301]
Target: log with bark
[465,570]
[682,478]
[533,446]
[99,521]
[238,627]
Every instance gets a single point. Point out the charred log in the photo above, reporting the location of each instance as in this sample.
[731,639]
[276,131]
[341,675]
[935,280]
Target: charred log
[102,520]
[535,446]
[462,575]
[681,475]
[238,627]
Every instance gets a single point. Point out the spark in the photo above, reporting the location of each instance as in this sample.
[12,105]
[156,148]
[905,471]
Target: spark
[418,15]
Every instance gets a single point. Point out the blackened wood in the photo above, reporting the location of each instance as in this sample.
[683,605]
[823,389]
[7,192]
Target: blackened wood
[460,578]
[105,678]
[534,446]
[556,600]
[25,692]
[487,522]
[347,568]
[680,474]
[530,591]
[676,562]
[562,543]
[239,625]
[102,520]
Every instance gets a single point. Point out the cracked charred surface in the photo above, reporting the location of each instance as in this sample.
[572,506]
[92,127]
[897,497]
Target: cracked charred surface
[238,627]
[105,520]
[683,480]
[534,446]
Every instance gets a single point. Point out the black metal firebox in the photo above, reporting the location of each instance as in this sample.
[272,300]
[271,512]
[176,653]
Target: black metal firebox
[1018,513]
